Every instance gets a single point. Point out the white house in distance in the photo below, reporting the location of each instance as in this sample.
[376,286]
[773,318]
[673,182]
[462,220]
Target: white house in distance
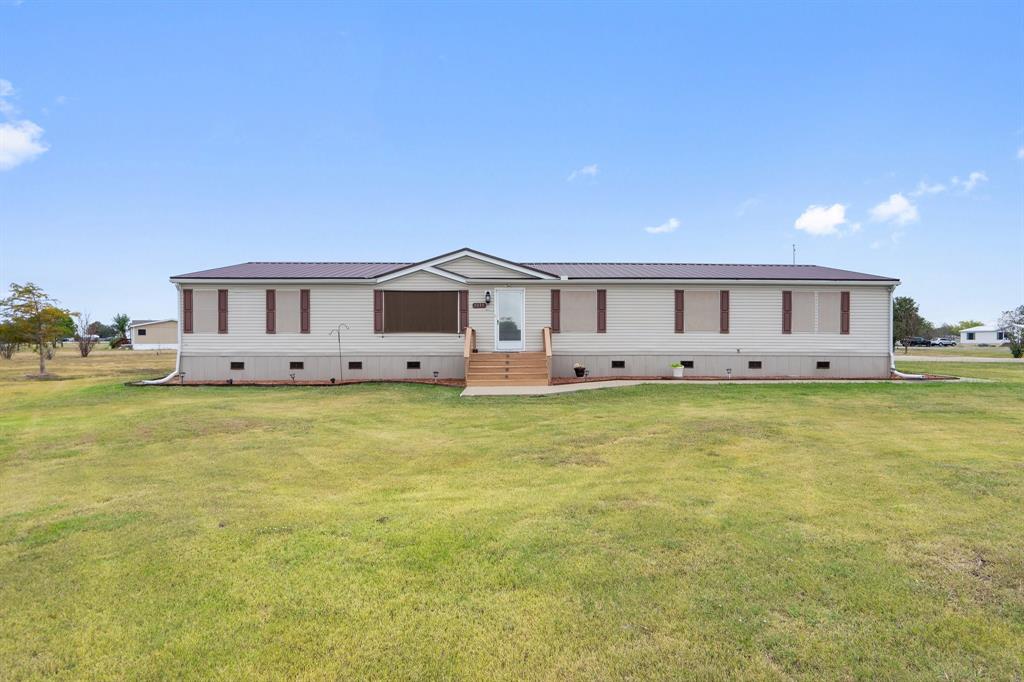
[467,314]
[985,334]
[153,334]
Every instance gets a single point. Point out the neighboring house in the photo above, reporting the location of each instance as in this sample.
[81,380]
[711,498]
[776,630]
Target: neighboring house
[499,321]
[153,334]
[985,334]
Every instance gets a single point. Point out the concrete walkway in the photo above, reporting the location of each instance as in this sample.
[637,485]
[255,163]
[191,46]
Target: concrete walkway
[594,385]
[953,358]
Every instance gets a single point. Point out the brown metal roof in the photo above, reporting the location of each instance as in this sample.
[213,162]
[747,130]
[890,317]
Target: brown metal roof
[700,271]
[348,270]
[286,270]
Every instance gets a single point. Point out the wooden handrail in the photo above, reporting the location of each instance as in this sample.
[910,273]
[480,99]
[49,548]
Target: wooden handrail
[470,342]
[546,334]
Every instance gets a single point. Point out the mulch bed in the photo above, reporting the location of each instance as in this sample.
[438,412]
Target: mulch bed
[555,381]
[456,383]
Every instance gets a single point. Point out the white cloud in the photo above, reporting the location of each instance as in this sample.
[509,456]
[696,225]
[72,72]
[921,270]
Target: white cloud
[6,90]
[972,181]
[20,141]
[854,228]
[924,188]
[60,99]
[746,205]
[1020,153]
[590,170]
[897,208]
[822,220]
[670,225]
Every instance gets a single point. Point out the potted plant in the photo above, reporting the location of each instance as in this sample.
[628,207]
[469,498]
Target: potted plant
[677,370]
[580,369]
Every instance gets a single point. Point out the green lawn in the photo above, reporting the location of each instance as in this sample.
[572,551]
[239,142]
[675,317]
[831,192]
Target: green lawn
[955,351]
[836,531]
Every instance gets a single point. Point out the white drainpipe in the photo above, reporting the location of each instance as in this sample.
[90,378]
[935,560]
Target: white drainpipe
[177,359]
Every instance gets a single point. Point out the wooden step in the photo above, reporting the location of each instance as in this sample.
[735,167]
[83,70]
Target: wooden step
[507,369]
[508,382]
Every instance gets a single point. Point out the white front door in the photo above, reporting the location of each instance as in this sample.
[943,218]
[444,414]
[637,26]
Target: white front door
[509,319]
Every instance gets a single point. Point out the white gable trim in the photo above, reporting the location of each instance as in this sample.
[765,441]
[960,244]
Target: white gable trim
[429,266]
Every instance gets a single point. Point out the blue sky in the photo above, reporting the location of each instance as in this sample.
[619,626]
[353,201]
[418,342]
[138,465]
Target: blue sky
[144,140]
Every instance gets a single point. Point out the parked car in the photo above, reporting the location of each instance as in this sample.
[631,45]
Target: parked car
[918,341]
[944,341]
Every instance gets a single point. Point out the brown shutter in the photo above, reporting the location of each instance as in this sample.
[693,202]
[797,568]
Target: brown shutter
[787,312]
[844,312]
[186,310]
[271,311]
[602,311]
[679,311]
[463,310]
[556,310]
[724,315]
[378,311]
[222,311]
[303,311]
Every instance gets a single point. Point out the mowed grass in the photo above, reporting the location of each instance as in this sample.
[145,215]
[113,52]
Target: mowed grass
[959,351]
[398,531]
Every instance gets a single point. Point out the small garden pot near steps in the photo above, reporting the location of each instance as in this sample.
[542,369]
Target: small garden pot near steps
[580,371]
[677,372]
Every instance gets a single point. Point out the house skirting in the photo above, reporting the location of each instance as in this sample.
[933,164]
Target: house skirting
[840,366]
[369,367]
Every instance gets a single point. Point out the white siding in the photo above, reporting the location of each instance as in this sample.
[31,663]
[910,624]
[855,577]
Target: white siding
[639,318]
[467,266]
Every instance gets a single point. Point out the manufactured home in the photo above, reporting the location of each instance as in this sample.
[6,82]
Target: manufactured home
[491,321]
[153,334]
[983,335]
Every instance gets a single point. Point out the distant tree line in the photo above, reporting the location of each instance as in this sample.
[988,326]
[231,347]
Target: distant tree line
[907,322]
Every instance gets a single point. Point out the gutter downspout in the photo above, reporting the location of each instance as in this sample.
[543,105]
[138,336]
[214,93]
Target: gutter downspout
[177,360]
[892,352]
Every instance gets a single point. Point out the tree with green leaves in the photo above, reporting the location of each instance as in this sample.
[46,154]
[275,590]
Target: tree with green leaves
[1011,323]
[964,324]
[36,319]
[906,320]
[120,324]
[10,340]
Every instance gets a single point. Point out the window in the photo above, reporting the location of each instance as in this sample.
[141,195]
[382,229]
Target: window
[703,311]
[688,364]
[578,311]
[828,312]
[287,311]
[296,365]
[803,311]
[754,364]
[424,312]
[140,332]
[205,310]
[824,364]
[970,336]
[237,365]
[355,364]
[618,364]
[412,364]
[1000,336]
